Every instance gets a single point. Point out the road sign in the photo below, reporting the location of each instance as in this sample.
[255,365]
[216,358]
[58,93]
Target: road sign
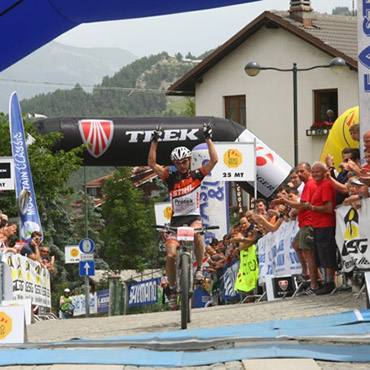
[86,257]
[87,245]
[87,268]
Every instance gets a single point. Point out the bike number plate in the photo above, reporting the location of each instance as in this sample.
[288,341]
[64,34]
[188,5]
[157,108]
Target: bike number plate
[185,233]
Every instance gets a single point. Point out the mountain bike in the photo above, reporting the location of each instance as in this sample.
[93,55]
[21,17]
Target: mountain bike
[184,264]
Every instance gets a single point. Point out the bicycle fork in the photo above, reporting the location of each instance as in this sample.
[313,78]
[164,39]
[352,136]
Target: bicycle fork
[178,269]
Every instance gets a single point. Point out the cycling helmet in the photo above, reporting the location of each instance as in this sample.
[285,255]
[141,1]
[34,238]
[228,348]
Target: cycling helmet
[180,153]
[67,290]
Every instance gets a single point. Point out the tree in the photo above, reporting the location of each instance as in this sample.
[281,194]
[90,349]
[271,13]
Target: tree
[343,10]
[128,237]
[190,107]
[179,56]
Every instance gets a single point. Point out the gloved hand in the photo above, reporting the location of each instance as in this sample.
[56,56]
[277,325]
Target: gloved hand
[207,130]
[158,133]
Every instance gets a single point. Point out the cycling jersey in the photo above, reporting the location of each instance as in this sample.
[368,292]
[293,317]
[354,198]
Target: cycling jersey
[184,191]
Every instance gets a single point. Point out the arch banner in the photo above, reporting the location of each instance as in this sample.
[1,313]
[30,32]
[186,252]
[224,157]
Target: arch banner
[126,141]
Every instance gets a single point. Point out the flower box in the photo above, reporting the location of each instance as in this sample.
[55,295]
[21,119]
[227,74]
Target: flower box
[319,129]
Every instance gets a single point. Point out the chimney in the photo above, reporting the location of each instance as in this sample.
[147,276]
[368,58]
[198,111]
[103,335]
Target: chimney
[301,11]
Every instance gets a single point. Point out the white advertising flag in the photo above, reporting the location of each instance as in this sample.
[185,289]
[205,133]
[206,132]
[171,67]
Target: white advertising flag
[163,212]
[236,162]
[72,254]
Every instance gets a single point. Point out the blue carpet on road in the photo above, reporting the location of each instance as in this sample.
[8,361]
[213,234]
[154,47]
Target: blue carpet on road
[343,324]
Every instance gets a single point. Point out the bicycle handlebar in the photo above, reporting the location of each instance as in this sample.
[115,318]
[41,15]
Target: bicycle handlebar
[174,228]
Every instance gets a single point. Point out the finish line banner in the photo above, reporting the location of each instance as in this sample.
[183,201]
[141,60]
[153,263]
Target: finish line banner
[277,256]
[30,280]
[352,236]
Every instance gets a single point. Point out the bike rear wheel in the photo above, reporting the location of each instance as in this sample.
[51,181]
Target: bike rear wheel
[185,307]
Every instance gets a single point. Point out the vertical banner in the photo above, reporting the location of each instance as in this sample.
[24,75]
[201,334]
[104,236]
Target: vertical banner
[363,17]
[24,191]
[163,212]
[214,199]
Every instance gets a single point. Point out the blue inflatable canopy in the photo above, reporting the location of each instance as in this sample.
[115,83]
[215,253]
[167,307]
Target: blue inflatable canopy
[26,25]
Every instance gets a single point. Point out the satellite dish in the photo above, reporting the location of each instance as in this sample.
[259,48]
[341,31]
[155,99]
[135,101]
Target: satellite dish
[23,201]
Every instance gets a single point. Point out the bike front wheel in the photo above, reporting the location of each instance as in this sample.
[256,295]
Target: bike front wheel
[185,307]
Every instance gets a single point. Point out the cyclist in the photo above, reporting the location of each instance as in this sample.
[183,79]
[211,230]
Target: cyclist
[184,187]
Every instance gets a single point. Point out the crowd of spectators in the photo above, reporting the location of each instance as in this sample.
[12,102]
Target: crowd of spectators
[34,250]
[310,197]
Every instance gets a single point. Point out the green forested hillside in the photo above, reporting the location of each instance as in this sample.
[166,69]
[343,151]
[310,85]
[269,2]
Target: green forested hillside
[136,90]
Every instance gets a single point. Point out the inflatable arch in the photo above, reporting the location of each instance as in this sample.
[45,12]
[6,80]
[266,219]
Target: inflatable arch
[126,141]
[339,136]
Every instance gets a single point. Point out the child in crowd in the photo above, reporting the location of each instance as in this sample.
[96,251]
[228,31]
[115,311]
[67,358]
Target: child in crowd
[354,131]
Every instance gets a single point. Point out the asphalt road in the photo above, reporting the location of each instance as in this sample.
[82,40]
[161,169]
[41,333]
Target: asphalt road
[236,314]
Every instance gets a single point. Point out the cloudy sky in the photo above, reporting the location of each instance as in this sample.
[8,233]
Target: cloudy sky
[195,31]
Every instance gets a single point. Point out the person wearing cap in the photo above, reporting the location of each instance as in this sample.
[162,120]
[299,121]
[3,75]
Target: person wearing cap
[65,304]
[358,191]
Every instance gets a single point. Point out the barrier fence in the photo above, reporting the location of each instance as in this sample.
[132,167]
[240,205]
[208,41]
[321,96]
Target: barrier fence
[27,278]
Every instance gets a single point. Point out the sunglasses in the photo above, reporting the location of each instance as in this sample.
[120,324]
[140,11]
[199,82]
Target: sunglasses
[44,251]
[37,239]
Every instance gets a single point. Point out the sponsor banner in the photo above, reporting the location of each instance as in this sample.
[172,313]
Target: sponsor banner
[30,279]
[80,305]
[352,235]
[230,275]
[236,162]
[103,300]
[277,256]
[26,303]
[163,212]
[71,254]
[280,287]
[129,146]
[28,211]
[214,200]
[272,170]
[144,292]
[363,17]
[7,173]
[12,324]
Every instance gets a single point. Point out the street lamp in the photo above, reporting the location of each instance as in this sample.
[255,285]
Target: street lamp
[253,69]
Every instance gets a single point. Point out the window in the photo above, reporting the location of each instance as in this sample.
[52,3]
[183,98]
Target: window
[324,100]
[92,191]
[235,109]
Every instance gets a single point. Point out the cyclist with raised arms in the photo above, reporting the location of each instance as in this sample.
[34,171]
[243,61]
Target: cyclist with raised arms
[184,187]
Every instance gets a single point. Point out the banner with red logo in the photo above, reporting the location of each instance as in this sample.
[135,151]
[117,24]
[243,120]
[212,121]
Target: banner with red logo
[126,141]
